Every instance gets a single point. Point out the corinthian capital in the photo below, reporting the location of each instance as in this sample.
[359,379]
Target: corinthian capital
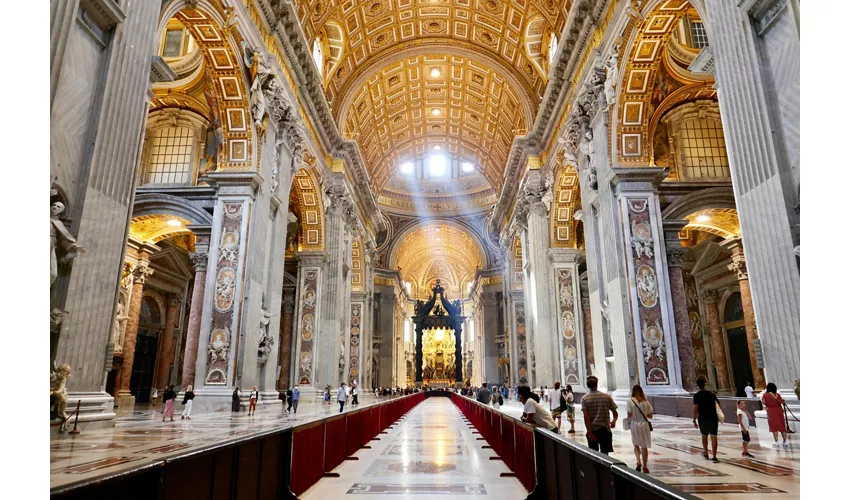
[739,267]
[199,261]
[675,256]
[141,272]
[709,296]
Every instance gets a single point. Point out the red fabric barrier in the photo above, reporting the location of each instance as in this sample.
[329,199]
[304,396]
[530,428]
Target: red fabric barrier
[334,442]
[496,443]
[308,449]
[508,449]
[375,421]
[525,456]
[365,427]
[353,432]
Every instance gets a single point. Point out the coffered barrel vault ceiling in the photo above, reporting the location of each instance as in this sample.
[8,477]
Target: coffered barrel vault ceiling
[383,88]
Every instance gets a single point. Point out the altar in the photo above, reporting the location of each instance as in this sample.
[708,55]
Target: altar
[438,326]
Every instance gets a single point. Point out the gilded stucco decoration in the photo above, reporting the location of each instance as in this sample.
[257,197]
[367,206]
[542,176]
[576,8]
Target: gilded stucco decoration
[357,265]
[720,221]
[566,200]
[225,101]
[310,210]
[655,70]
[438,251]
[155,228]
[435,100]
[517,276]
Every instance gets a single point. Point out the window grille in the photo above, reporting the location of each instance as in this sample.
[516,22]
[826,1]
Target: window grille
[172,149]
[703,149]
[699,35]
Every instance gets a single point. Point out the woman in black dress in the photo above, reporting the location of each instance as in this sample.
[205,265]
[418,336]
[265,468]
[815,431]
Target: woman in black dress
[235,405]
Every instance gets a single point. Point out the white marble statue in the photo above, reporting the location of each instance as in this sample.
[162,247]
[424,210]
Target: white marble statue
[63,246]
[58,392]
[612,73]
[120,318]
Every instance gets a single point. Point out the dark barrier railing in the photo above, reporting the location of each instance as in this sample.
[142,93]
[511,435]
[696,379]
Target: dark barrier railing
[254,467]
[553,467]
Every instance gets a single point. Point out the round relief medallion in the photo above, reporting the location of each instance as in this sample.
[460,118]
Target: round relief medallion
[653,336]
[642,231]
[355,340]
[306,357]
[570,353]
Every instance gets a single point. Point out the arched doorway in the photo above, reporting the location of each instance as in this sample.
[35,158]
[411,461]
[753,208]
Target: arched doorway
[151,324]
[736,337]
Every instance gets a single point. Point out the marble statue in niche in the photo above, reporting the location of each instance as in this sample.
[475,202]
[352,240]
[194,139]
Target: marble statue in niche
[121,318]
[588,149]
[612,72]
[266,340]
[63,246]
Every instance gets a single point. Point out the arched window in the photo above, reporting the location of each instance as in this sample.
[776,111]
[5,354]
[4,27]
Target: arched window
[318,57]
[698,141]
[173,147]
[177,41]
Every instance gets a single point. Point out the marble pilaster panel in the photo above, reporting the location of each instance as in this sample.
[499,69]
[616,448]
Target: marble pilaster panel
[355,343]
[570,318]
[285,354]
[587,331]
[308,308]
[739,269]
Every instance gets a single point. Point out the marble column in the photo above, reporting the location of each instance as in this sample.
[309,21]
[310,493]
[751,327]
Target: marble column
[166,341]
[756,47]
[124,399]
[193,330]
[739,269]
[680,314]
[308,307]
[285,355]
[540,313]
[718,346]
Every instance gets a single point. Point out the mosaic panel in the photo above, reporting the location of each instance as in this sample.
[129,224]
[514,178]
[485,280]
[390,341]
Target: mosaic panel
[566,286]
[522,349]
[354,342]
[307,324]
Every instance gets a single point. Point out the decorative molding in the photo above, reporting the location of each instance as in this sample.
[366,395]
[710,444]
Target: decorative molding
[704,62]
[106,13]
[161,71]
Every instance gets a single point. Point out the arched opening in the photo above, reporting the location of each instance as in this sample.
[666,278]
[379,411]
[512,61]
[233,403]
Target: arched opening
[151,325]
[736,338]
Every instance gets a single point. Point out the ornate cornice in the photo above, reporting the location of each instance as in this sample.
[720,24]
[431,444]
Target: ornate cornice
[574,38]
[282,18]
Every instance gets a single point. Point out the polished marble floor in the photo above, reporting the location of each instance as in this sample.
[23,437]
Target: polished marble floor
[141,437]
[676,458]
[431,453]
[432,433]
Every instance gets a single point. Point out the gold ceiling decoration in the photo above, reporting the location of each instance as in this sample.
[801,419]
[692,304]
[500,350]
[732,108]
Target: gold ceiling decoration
[357,265]
[516,265]
[310,211]
[720,221]
[646,83]
[155,228]
[455,103]
[438,251]
[567,199]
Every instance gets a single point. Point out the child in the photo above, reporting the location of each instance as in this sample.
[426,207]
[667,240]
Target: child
[744,424]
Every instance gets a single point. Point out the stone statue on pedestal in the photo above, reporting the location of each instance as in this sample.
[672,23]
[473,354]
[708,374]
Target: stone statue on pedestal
[59,394]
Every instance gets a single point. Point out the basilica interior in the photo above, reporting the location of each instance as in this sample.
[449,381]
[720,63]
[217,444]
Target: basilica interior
[421,194]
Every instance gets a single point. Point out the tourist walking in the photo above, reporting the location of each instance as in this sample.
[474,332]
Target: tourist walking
[776,424]
[484,394]
[744,425]
[596,407]
[235,401]
[354,392]
[252,401]
[496,399]
[570,399]
[340,396]
[187,403]
[555,403]
[533,412]
[639,411]
[288,400]
[168,398]
[706,418]
[296,395]
[748,390]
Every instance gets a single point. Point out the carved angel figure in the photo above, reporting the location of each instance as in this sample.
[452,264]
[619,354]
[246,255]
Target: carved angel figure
[63,246]
[612,73]
[647,287]
[641,243]
[58,392]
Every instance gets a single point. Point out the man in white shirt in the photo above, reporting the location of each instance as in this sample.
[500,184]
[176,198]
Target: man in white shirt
[555,400]
[749,391]
[340,396]
[533,412]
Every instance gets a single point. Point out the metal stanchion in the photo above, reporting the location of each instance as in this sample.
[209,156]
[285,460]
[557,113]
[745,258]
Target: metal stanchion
[76,419]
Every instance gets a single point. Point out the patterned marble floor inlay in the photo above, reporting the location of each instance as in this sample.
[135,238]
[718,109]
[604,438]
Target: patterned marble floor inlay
[672,467]
[426,449]
[417,489]
[763,467]
[399,467]
[707,488]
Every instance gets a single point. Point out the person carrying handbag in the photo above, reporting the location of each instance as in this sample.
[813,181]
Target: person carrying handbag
[639,411]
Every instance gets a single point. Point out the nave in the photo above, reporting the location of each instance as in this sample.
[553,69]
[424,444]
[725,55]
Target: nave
[431,453]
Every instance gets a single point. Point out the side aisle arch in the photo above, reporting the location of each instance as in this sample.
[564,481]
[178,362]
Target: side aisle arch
[310,209]
[566,201]
[229,103]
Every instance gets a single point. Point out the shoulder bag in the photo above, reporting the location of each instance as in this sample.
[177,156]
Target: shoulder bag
[637,405]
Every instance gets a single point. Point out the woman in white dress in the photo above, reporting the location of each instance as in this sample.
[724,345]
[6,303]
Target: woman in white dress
[639,412]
